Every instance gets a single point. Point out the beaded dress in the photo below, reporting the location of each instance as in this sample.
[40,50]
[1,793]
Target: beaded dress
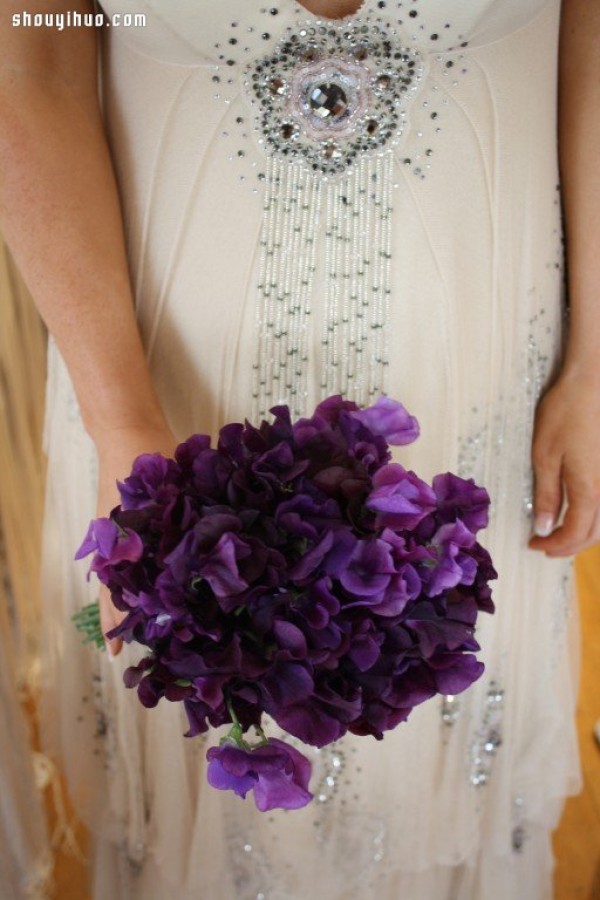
[311,206]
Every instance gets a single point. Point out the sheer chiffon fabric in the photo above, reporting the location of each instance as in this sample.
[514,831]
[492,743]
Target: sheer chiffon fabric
[450,806]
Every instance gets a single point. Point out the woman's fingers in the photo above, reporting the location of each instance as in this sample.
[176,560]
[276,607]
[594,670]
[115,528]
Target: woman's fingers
[548,490]
[109,619]
[577,531]
[565,461]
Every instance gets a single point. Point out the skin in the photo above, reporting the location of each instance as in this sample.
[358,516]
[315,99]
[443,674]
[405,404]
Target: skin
[332,9]
[60,216]
[565,450]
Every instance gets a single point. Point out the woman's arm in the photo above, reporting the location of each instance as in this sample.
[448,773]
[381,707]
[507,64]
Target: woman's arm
[566,447]
[61,218]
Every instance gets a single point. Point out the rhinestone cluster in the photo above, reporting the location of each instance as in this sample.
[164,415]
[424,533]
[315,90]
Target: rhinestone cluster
[330,93]
[489,737]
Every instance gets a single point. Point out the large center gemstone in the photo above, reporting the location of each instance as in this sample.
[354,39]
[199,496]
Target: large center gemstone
[328,100]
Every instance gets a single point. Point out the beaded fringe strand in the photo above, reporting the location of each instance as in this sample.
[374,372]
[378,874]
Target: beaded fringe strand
[357,255]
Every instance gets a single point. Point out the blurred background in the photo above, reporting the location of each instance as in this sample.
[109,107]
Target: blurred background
[43,848]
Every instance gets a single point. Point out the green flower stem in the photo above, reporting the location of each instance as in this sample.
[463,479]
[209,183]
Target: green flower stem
[236,734]
[122,531]
[87,620]
[264,740]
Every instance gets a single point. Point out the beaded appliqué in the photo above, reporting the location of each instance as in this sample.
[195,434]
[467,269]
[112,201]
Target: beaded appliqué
[331,92]
[331,102]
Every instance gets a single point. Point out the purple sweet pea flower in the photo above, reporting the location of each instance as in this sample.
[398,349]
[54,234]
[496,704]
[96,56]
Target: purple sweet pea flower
[329,556]
[112,545]
[220,567]
[454,566]
[460,498]
[153,479]
[310,722]
[434,631]
[332,408]
[366,645]
[399,497]
[188,450]
[368,572]
[455,672]
[390,419]
[276,772]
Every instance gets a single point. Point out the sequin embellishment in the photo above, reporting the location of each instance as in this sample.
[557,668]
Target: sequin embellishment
[331,103]
[488,738]
[450,709]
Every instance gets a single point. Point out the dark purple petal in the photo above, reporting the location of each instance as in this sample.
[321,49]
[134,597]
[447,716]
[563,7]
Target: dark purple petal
[310,723]
[463,499]
[389,419]
[454,672]
[153,479]
[369,570]
[220,567]
[399,497]
[285,684]
[276,772]
[188,451]
[89,543]
[291,638]
[197,717]
[225,780]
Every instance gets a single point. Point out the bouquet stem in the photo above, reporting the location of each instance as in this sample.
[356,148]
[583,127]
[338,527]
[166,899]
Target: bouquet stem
[87,620]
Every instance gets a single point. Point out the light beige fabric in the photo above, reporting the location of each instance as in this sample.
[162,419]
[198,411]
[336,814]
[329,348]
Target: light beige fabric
[475,332]
[25,856]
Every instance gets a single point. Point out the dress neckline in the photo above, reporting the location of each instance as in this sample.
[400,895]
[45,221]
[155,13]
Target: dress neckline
[302,10]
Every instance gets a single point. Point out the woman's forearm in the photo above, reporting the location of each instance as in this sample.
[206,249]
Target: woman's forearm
[579,140]
[60,216]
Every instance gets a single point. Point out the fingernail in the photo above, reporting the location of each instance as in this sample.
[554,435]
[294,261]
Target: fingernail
[111,655]
[543,525]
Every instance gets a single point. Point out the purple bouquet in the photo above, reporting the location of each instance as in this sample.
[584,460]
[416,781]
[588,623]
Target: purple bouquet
[294,570]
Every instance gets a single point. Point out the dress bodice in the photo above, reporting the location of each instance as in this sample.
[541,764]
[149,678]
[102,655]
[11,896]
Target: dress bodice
[233,32]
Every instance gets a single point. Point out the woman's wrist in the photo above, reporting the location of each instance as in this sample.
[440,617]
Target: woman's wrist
[149,426]
[581,368]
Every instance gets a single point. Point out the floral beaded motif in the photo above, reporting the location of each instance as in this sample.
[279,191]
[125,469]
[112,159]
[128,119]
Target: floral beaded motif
[330,93]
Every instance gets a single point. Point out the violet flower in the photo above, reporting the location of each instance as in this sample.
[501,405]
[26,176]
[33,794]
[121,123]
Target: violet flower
[112,545]
[399,497]
[276,772]
[390,419]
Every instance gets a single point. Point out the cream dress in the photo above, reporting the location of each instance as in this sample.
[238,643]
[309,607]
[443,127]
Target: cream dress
[312,206]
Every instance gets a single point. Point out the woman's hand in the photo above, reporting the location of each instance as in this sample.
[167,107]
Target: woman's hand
[566,458]
[117,448]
